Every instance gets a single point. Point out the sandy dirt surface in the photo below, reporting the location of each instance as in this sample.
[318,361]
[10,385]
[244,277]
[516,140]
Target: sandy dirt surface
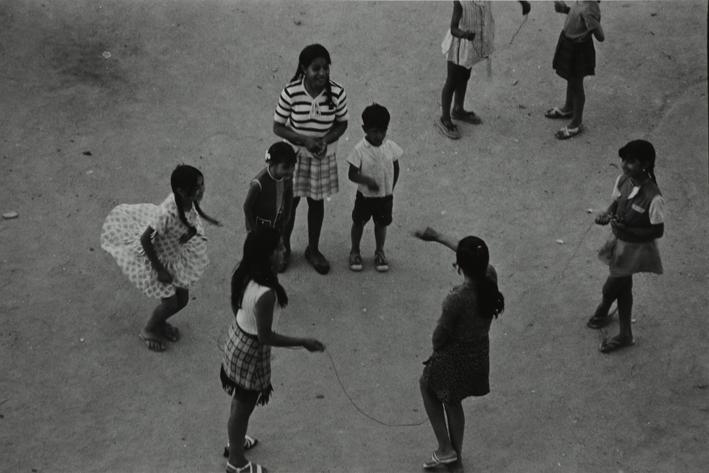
[196,82]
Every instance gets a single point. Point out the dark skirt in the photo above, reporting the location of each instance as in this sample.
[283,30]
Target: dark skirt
[459,370]
[574,59]
[246,366]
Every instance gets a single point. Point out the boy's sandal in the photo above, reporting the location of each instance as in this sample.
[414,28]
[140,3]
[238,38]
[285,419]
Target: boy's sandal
[448,129]
[615,343]
[437,461]
[565,133]
[556,112]
[355,262]
[248,468]
[249,443]
[597,322]
[467,117]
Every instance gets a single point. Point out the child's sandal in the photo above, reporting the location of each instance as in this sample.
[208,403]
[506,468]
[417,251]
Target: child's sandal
[565,133]
[615,343]
[248,468]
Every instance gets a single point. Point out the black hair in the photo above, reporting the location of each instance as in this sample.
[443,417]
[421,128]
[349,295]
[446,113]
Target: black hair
[306,57]
[642,151]
[255,265]
[473,258]
[281,152]
[186,178]
[376,116]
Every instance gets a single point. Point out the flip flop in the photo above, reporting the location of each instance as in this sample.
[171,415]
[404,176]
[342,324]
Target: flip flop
[170,332]
[437,461]
[564,133]
[467,117]
[556,113]
[451,131]
[249,443]
[615,343]
[152,342]
[248,468]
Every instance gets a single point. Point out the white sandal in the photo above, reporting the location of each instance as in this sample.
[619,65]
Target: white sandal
[248,468]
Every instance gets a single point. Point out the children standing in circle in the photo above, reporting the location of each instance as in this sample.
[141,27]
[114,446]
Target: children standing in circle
[374,165]
[162,249]
[312,115]
[256,300]
[459,366]
[636,217]
[270,197]
[575,58]
[469,40]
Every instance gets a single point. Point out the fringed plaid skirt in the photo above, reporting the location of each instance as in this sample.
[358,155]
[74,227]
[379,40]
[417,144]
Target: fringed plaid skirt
[246,364]
[625,258]
[574,59]
[315,178]
[459,370]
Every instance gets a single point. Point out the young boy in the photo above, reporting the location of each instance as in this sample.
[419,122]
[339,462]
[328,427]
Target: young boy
[374,165]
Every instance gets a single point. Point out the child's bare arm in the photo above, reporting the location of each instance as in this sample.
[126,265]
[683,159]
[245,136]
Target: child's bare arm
[337,130]
[355,175]
[310,143]
[396,174]
[431,234]
[250,205]
[598,34]
[561,7]
[455,21]
[264,325]
[604,218]
[147,243]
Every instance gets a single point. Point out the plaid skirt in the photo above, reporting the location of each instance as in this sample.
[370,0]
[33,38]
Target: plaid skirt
[626,258]
[315,178]
[574,59]
[246,364]
[459,370]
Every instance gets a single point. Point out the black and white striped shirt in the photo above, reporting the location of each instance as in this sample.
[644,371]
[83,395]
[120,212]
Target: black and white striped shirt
[307,115]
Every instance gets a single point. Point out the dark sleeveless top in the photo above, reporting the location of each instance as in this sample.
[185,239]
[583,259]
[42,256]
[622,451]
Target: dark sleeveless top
[271,203]
[635,211]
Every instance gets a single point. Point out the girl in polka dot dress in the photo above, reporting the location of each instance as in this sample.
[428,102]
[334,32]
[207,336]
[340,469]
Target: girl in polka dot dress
[162,249]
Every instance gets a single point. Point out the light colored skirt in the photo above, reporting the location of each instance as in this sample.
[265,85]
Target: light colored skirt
[315,178]
[626,258]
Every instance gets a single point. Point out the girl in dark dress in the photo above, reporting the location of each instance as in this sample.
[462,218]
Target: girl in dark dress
[459,365]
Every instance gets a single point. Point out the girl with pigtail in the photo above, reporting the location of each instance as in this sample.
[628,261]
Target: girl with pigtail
[312,115]
[162,249]
[636,216]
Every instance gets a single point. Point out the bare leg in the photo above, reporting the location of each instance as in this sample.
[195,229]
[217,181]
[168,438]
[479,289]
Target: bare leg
[288,228]
[356,236]
[316,215]
[153,332]
[436,415]
[461,87]
[236,427]
[447,92]
[625,306]
[578,100]
[569,103]
[456,426]
[380,236]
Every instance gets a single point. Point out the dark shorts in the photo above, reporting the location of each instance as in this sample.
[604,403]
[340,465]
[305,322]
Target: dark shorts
[378,209]
[574,59]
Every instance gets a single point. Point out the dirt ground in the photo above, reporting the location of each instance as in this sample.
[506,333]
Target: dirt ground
[100,100]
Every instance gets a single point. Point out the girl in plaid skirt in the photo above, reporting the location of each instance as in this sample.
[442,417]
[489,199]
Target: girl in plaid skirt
[312,114]
[575,58]
[256,299]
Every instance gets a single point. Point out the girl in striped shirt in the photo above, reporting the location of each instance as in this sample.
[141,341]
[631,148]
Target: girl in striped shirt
[312,114]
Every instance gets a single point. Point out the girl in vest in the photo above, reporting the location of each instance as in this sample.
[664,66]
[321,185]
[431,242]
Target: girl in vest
[270,197]
[636,217]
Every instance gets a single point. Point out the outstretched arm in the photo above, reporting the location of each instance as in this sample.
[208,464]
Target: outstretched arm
[431,234]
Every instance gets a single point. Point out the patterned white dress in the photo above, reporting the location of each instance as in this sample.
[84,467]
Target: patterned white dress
[120,237]
[476,17]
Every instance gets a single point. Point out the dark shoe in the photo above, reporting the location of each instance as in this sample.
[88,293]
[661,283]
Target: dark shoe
[599,321]
[355,262]
[467,117]
[616,343]
[380,262]
[317,261]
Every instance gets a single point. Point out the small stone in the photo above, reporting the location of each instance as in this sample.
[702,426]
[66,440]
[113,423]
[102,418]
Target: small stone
[87,153]
[89,172]
[106,54]
[589,211]
[364,309]
[515,82]
[320,396]
[443,212]
[10,215]
[560,241]
[81,340]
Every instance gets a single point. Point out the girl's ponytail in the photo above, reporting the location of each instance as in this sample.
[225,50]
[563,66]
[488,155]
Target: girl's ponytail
[209,219]
[181,214]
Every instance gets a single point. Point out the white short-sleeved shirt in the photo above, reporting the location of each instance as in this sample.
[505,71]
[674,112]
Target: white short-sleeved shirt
[376,162]
[656,212]
[246,315]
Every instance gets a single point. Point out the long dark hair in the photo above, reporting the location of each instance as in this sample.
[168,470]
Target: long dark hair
[306,57]
[642,151]
[473,258]
[186,178]
[255,265]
